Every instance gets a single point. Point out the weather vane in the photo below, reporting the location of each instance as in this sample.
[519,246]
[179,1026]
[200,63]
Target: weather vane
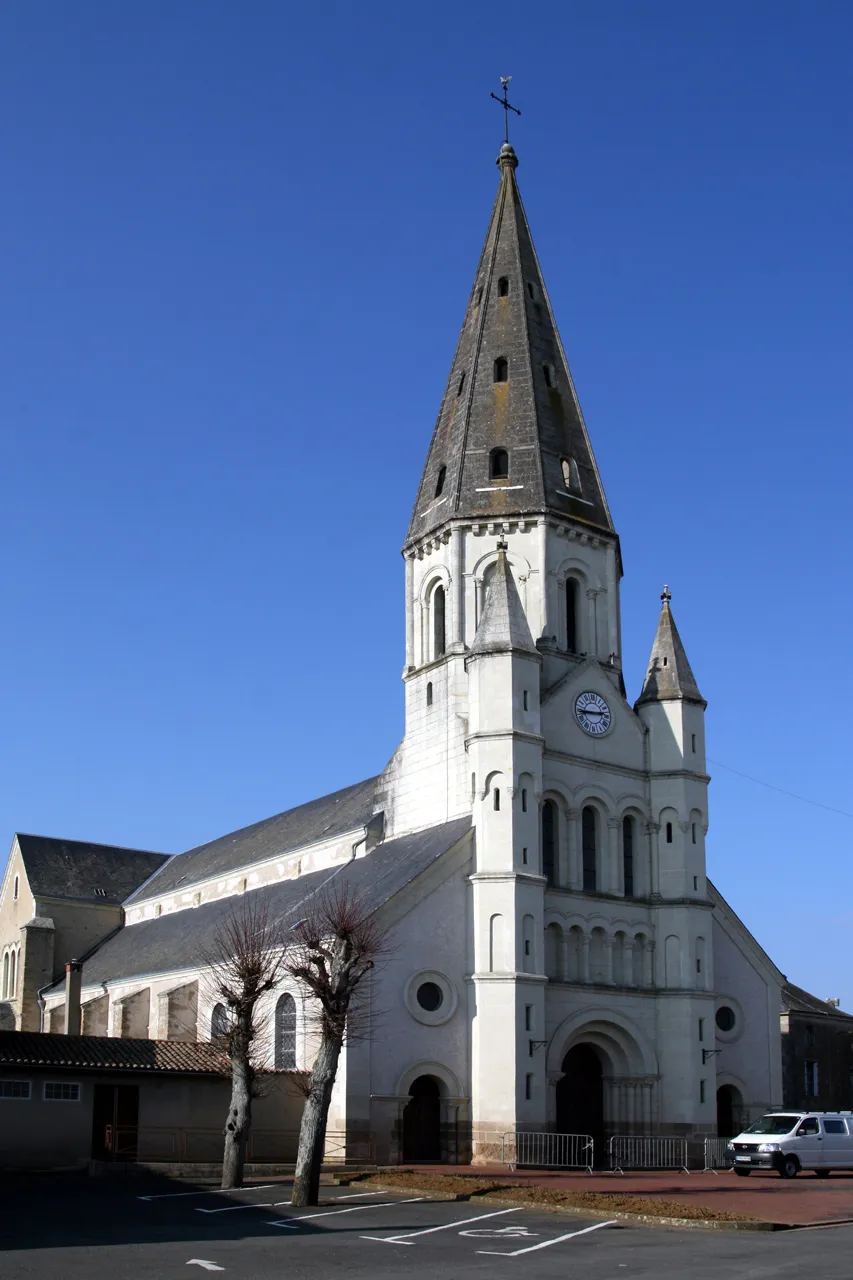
[507,106]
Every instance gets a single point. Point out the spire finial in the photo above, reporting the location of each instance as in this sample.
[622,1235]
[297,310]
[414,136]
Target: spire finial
[665,595]
[507,106]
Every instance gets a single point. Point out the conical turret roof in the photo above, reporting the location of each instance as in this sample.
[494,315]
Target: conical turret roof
[509,389]
[503,626]
[669,674]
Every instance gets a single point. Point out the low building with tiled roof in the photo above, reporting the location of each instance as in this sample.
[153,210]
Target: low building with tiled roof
[817,1051]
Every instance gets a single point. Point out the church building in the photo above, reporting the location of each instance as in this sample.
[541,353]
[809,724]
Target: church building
[536,845]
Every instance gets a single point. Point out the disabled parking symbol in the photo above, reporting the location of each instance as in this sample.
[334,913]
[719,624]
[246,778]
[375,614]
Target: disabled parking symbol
[501,1233]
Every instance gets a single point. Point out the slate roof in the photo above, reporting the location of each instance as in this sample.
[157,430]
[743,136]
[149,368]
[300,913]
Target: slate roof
[539,424]
[108,1053]
[669,674]
[176,941]
[344,810]
[503,626]
[796,1000]
[78,869]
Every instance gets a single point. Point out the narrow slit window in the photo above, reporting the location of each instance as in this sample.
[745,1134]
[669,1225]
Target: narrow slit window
[669,833]
[528,1017]
[531,290]
[548,374]
[701,1030]
[694,832]
[501,373]
[503,287]
[439,484]
[571,475]
[497,798]
[461,384]
[701,1090]
[16,889]
[528,1087]
[693,741]
[524,799]
[479,296]
[429,693]
[498,464]
[525,699]
[524,856]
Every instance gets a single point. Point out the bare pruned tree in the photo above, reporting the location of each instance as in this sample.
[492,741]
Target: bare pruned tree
[336,944]
[245,960]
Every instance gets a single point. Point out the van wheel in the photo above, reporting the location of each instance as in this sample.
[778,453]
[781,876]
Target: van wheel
[821,1173]
[742,1173]
[790,1167]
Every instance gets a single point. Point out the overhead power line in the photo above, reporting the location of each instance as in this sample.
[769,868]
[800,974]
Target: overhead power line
[782,790]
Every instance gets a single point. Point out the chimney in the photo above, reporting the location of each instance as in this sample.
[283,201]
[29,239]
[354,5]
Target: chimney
[73,984]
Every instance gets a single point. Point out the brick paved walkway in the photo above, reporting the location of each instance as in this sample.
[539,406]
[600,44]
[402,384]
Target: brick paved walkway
[805,1199]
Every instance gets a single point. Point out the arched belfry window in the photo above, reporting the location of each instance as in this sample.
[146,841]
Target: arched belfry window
[549,840]
[438,631]
[285,1033]
[439,484]
[589,844]
[628,826]
[503,287]
[498,464]
[571,615]
[219,1025]
[501,373]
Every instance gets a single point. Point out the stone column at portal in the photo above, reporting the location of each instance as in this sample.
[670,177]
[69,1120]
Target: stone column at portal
[584,958]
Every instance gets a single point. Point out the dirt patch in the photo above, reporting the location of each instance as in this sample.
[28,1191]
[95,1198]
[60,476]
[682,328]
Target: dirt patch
[605,1202]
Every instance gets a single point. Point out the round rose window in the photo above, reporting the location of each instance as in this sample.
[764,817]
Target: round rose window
[429,996]
[725,1018]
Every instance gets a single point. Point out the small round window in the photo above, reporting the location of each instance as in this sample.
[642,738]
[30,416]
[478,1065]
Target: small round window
[429,996]
[725,1018]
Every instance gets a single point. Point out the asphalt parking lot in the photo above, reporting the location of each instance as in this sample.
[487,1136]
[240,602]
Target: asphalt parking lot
[78,1227]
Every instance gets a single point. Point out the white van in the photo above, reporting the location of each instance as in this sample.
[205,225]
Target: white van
[789,1141]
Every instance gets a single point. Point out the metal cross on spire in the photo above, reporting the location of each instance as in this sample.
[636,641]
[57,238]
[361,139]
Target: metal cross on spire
[507,106]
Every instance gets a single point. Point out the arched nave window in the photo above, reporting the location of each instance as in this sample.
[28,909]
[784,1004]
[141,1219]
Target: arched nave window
[438,636]
[218,1024]
[589,847]
[285,1033]
[628,856]
[549,840]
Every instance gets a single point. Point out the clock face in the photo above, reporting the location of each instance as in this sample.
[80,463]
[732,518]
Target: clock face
[592,714]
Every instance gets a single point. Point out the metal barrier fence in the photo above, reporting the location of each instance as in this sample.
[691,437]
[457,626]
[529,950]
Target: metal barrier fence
[715,1154]
[628,1152]
[548,1150]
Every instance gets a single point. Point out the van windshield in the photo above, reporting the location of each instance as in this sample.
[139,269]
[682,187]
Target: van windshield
[773,1124]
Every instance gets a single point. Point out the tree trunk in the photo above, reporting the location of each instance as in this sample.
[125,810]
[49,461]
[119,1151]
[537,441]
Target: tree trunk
[312,1131]
[238,1124]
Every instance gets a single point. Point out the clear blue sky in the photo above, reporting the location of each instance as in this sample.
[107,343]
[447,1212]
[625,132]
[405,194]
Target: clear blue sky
[237,244]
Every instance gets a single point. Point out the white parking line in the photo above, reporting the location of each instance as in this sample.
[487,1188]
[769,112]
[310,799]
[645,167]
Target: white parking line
[179,1195]
[275,1204]
[407,1237]
[330,1213]
[546,1244]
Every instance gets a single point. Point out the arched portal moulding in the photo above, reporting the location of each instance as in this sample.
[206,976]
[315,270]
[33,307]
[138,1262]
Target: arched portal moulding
[619,1037]
[445,1077]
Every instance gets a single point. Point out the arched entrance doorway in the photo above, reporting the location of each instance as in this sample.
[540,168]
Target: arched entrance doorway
[580,1094]
[422,1120]
[729,1107]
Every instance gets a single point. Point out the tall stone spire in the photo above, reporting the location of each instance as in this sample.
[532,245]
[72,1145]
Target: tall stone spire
[510,438]
[669,674]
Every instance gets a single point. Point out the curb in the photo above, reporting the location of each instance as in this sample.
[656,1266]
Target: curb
[646,1219]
